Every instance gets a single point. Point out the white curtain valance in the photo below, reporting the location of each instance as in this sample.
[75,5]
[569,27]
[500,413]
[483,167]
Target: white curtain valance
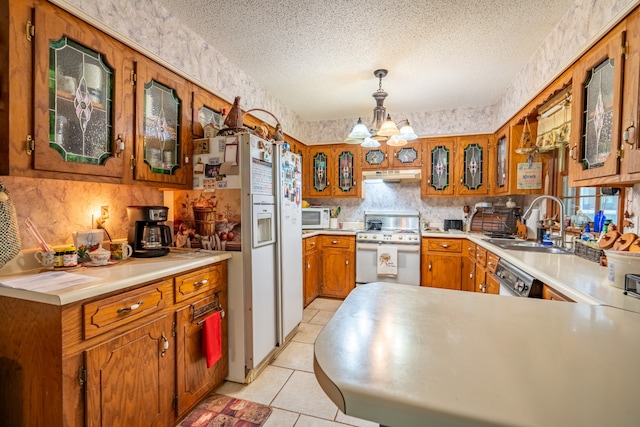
[554,130]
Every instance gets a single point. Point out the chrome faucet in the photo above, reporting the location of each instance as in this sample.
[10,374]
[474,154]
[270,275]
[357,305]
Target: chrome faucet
[559,202]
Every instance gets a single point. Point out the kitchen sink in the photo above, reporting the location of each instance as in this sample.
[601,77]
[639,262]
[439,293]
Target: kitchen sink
[521,245]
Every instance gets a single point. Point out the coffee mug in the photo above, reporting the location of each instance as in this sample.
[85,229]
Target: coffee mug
[46,259]
[120,250]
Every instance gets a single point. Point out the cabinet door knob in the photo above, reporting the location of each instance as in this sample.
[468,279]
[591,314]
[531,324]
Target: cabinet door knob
[347,262]
[429,266]
[165,345]
[308,266]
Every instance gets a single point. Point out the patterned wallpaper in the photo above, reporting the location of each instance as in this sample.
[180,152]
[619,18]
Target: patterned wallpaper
[153,29]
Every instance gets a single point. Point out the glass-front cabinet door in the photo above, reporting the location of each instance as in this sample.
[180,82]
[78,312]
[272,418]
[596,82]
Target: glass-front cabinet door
[162,141]
[375,158]
[472,159]
[347,170]
[82,121]
[501,165]
[319,159]
[407,156]
[595,137]
[438,179]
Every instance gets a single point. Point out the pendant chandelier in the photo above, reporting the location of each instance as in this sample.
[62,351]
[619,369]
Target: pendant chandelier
[382,128]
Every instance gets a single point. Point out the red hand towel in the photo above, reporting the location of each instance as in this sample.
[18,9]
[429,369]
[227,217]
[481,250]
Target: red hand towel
[212,339]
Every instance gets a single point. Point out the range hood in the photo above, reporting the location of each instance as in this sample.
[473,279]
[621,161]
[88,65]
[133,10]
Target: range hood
[405,175]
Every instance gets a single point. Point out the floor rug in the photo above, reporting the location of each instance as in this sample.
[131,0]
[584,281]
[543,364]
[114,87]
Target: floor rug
[218,410]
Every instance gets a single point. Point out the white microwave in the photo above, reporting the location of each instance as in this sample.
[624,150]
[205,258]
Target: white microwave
[315,218]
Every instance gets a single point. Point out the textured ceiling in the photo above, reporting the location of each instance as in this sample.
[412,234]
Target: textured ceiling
[318,57]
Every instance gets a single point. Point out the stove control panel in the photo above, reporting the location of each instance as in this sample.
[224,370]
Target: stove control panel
[405,238]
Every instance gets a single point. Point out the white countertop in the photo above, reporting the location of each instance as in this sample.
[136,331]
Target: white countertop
[407,356]
[580,279]
[115,277]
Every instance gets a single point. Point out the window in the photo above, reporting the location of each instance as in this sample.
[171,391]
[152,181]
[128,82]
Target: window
[589,201]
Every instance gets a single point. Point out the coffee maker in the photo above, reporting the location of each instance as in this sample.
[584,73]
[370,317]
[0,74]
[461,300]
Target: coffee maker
[148,236]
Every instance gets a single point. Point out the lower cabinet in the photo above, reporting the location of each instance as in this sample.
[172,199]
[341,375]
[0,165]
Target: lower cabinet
[551,294]
[442,263]
[129,380]
[338,266]
[123,359]
[311,269]
[486,263]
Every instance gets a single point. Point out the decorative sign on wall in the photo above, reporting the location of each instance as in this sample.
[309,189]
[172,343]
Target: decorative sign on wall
[529,176]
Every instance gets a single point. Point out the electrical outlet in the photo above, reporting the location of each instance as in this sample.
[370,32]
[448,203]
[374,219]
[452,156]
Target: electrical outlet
[104,213]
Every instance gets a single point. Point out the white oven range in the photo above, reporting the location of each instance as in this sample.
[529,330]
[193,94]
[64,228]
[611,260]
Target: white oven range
[389,249]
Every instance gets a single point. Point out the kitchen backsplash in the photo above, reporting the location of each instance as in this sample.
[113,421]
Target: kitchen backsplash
[406,196]
[58,208]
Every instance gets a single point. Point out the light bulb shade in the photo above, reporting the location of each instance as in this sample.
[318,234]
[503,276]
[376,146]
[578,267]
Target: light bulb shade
[407,133]
[359,131]
[395,141]
[388,128]
[370,143]
[353,141]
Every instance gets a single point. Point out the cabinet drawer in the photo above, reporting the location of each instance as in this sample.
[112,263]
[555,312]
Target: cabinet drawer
[469,249]
[109,313]
[445,245]
[481,256]
[310,243]
[551,294]
[337,242]
[198,282]
[492,262]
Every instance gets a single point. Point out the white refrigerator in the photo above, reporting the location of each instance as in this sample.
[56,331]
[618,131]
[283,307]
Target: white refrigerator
[265,277]
[289,242]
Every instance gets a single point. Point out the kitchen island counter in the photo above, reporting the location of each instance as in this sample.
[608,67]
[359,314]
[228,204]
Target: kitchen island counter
[406,356]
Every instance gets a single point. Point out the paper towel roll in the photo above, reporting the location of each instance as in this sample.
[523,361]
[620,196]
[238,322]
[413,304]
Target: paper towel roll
[532,223]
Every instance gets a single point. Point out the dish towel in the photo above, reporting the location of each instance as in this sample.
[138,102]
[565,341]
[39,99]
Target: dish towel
[387,264]
[212,339]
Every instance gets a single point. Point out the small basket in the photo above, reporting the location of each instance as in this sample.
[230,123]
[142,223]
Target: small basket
[587,252]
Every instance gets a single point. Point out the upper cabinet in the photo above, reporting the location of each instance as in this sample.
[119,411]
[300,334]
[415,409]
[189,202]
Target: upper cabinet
[407,156]
[456,166]
[375,158]
[473,158]
[438,179]
[163,135]
[334,171]
[499,163]
[630,160]
[83,106]
[596,109]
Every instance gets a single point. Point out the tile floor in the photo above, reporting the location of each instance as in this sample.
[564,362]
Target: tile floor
[288,385]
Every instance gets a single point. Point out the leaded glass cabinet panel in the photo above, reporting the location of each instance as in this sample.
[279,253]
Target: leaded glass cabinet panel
[472,155]
[320,172]
[502,167]
[345,171]
[596,112]
[79,76]
[161,154]
[438,176]
[162,121]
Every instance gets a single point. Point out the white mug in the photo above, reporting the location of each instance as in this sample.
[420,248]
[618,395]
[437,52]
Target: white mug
[46,259]
[120,250]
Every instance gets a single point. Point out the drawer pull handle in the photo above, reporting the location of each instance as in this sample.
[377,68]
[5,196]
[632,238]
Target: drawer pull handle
[444,245]
[334,242]
[201,282]
[130,308]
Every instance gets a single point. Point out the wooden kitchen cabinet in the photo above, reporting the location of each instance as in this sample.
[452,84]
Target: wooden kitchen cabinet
[596,112]
[549,293]
[125,358]
[163,137]
[468,281]
[472,158]
[335,171]
[338,266]
[456,166]
[408,156]
[630,128]
[442,263]
[375,158]
[129,378]
[486,263]
[439,179]
[311,269]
